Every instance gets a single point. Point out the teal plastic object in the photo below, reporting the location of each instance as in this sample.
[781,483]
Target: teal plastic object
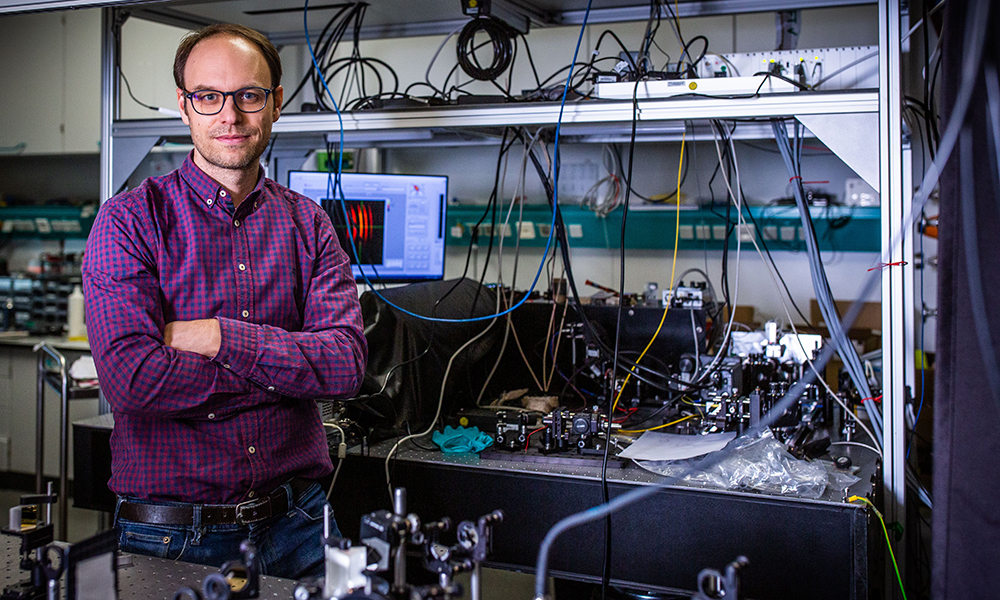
[838,228]
[457,440]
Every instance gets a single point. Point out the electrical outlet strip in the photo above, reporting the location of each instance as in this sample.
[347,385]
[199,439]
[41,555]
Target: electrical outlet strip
[714,86]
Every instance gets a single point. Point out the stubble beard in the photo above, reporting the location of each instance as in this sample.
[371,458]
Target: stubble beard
[233,158]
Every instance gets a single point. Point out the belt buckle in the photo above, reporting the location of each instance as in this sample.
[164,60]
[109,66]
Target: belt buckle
[251,505]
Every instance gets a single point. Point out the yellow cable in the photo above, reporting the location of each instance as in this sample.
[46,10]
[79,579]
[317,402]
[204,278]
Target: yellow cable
[673,269]
[657,427]
[887,542]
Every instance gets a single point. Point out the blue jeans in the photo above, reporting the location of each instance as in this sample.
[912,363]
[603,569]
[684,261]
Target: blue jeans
[288,545]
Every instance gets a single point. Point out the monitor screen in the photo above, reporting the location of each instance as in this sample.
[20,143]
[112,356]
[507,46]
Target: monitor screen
[397,221]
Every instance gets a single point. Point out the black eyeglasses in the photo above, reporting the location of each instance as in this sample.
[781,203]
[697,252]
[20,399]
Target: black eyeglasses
[210,102]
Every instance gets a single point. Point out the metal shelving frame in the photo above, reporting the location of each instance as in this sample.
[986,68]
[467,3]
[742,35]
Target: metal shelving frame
[124,143]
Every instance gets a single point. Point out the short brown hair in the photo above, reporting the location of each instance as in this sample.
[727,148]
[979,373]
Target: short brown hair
[267,49]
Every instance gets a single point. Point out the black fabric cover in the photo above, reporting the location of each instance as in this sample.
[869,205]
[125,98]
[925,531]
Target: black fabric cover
[966,519]
[397,342]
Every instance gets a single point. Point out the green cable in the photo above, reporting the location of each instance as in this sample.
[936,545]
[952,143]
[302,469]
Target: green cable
[887,542]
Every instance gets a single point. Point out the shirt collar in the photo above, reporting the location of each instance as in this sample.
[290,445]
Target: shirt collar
[209,191]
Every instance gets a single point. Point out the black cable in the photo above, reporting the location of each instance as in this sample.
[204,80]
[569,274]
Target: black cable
[326,45]
[359,72]
[270,149]
[531,61]
[677,27]
[774,265]
[930,100]
[927,66]
[116,30]
[720,130]
[606,577]
[491,208]
[310,75]
[693,63]
[725,136]
[590,332]
[767,74]
[500,35]
[650,199]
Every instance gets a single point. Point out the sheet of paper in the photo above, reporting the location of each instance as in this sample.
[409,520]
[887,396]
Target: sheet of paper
[654,445]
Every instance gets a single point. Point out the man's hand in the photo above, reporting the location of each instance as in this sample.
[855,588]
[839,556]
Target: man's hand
[202,336]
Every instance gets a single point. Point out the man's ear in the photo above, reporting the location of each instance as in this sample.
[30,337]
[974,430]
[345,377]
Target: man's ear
[182,106]
[279,97]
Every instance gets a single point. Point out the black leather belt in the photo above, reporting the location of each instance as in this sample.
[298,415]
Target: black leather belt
[244,513]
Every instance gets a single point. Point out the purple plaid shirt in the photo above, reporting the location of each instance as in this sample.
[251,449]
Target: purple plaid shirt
[235,427]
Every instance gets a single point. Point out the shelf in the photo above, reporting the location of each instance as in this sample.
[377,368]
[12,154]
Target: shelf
[838,228]
[420,123]
[47,222]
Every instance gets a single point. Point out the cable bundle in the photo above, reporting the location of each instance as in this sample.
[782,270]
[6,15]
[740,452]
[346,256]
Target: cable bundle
[501,38]
[824,296]
[360,72]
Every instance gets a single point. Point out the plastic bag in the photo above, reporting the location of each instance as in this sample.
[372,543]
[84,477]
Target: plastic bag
[762,464]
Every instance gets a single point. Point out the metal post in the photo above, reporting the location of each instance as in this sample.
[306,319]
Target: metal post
[476,582]
[399,508]
[109,99]
[894,300]
[40,426]
[64,451]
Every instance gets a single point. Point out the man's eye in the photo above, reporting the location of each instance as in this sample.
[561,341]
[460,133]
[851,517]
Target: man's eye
[251,96]
[206,96]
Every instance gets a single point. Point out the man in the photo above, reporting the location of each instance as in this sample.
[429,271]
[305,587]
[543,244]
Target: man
[219,306]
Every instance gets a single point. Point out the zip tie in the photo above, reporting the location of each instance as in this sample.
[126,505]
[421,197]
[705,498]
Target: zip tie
[794,177]
[873,399]
[892,264]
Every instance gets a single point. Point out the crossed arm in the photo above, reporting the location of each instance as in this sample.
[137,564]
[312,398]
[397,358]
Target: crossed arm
[201,336]
[190,368]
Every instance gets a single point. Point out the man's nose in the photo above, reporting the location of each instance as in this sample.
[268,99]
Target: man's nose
[229,112]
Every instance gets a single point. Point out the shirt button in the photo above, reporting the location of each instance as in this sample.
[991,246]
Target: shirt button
[243,267]
[222,193]
[211,415]
[251,494]
[236,223]
[226,365]
[251,450]
[209,201]
[270,388]
[246,313]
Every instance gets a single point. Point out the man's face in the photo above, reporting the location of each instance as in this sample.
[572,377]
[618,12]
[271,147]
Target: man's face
[231,139]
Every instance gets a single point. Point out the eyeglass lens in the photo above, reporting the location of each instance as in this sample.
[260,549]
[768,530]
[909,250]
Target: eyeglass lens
[210,102]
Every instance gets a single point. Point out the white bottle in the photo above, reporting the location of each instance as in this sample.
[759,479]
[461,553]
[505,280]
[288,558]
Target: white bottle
[77,330]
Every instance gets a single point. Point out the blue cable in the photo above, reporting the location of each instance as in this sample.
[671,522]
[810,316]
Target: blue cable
[338,188]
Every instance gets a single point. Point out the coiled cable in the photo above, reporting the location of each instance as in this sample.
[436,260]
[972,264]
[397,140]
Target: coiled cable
[501,38]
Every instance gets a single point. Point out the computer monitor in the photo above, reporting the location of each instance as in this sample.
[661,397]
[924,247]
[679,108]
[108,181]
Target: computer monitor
[398,221]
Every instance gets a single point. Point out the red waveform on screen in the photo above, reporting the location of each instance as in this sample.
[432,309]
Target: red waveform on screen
[362,222]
